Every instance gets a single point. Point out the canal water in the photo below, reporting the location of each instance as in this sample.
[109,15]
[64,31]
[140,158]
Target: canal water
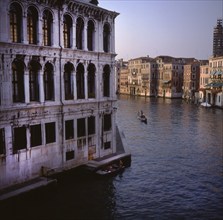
[176,170]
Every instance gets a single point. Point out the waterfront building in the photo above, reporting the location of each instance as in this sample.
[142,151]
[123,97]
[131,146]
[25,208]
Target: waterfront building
[57,93]
[161,76]
[191,80]
[214,89]
[135,75]
[138,77]
[121,78]
[149,78]
[170,76]
[204,80]
[218,39]
[123,82]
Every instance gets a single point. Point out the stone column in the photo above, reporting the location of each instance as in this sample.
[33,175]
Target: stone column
[86,83]
[40,32]
[28,134]
[112,37]
[74,46]
[96,40]
[55,33]
[75,84]
[26,86]
[85,37]
[99,82]
[24,29]
[100,37]
[41,87]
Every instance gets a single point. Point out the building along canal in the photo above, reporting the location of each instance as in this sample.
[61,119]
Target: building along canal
[176,170]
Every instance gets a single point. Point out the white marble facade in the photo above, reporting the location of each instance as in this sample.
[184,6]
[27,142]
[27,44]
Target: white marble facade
[57,86]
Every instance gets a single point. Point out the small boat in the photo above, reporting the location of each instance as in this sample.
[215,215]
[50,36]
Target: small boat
[142,117]
[205,104]
[110,170]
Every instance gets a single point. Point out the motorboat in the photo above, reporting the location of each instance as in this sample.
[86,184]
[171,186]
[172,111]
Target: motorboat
[110,170]
[205,104]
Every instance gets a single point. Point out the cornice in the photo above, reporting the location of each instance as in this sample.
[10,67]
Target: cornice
[88,9]
[78,7]
[50,3]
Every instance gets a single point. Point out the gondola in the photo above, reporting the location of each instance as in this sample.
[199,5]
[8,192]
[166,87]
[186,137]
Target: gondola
[142,117]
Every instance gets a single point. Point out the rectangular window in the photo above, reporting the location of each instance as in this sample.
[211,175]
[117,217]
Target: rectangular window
[107,145]
[81,127]
[70,155]
[107,122]
[91,125]
[69,129]
[19,139]
[2,141]
[50,132]
[35,135]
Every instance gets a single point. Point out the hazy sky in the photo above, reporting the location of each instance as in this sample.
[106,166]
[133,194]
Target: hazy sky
[179,28]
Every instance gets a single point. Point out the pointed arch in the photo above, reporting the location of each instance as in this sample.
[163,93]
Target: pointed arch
[106,37]
[32,25]
[80,33]
[34,69]
[67,31]
[68,81]
[47,28]
[80,81]
[48,81]
[15,16]
[91,80]
[106,81]
[18,88]
[90,35]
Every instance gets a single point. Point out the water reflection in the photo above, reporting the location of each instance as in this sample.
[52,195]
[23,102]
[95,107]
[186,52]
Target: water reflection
[176,171]
[177,165]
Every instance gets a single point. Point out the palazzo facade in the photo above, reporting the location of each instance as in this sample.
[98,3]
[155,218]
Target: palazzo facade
[57,86]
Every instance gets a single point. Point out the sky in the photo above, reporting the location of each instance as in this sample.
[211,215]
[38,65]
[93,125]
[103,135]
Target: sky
[178,28]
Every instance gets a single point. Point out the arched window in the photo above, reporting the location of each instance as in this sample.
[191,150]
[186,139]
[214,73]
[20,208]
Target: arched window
[91,81]
[80,81]
[48,79]
[32,21]
[16,23]
[106,38]
[106,81]
[67,31]
[90,35]
[68,81]
[18,81]
[47,28]
[80,33]
[34,68]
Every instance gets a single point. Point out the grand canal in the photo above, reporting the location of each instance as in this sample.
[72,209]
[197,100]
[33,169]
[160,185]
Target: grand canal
[176,170]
